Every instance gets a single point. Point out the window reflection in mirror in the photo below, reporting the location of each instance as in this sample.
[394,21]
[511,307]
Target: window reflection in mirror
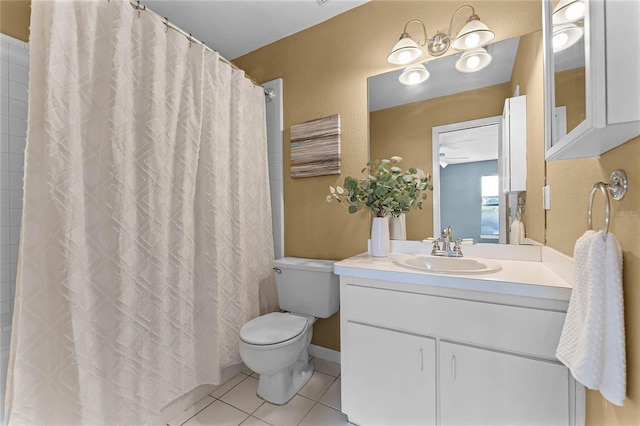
[489,218]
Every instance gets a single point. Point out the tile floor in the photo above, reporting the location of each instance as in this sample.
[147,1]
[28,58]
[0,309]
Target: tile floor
[235,403]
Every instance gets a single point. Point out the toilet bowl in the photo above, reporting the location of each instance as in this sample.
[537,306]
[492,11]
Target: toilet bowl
[282,364]
[276,345]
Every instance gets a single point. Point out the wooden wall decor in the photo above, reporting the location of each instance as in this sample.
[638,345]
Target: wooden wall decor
[315,147]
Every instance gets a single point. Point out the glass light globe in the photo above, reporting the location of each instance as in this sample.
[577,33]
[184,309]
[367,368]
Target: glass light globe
[575,11]
[473,62]
[472,40]
[560,40]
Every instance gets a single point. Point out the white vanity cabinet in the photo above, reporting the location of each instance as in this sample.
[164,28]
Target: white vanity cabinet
[414,358]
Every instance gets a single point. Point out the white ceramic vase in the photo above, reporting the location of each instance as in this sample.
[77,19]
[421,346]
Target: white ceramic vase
[397,227]
[380,244]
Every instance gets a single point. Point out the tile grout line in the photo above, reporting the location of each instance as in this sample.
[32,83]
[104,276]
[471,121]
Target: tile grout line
[217,399]
[214,400]
[307,413]
[242,411]
[232,387]
[251,414]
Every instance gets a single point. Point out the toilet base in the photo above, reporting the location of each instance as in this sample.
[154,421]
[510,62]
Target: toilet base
[279,388]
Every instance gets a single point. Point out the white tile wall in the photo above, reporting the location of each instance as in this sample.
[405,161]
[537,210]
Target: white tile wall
[14,79]
[14,74]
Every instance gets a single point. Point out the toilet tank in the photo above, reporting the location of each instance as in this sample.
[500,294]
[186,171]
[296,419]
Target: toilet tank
[307,286]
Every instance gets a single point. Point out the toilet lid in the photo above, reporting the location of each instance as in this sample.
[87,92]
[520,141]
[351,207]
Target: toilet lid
[272,328]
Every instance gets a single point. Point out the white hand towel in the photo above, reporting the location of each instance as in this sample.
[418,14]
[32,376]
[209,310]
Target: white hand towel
[592,344]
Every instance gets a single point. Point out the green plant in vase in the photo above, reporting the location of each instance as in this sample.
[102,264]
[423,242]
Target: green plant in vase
[385,189]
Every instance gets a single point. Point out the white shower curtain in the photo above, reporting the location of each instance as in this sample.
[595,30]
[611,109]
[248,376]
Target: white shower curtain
[146,231]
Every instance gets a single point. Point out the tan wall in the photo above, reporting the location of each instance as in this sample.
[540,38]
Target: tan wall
[320,79]
[570,92]
[406,131]
[14,18]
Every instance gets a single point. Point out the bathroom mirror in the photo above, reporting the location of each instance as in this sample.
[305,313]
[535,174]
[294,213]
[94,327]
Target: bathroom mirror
[402,120]
[592,95]
[568,98]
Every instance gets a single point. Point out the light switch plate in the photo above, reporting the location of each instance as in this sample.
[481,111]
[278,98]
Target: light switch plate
[546,197]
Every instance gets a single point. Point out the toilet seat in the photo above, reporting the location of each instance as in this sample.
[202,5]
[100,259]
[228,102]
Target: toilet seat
[273,328]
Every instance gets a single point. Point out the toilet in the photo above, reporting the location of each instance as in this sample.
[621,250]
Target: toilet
[276,345]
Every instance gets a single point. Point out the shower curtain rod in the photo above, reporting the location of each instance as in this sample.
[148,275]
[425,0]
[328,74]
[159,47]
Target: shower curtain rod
[142,8]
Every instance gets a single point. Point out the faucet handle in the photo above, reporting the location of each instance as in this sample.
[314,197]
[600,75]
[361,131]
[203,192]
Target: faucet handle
[436,246]
[457,248]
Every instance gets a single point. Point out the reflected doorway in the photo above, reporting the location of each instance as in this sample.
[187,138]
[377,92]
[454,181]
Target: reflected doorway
[465,164]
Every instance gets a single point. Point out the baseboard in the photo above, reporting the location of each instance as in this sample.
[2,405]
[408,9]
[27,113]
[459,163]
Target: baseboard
[324,353]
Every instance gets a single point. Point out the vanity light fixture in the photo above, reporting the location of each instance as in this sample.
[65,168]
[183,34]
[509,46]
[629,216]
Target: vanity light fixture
[568,11]
[565,36]
[473,60]
[414,74]
[474,34]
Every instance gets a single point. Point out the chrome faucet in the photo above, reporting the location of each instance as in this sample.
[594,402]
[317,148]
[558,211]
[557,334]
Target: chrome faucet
[447,236]
[447,239]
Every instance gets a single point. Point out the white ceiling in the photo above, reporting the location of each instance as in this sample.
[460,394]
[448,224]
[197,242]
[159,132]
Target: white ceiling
[237,27]
[470,145]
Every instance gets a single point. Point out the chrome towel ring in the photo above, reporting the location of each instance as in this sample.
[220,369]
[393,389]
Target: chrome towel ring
[617,186]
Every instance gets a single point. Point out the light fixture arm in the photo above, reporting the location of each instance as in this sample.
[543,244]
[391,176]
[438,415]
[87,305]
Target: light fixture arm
[424,31]
[471,17]
[473,34]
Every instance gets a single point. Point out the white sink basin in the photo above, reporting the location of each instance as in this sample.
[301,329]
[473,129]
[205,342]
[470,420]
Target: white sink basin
[448,265]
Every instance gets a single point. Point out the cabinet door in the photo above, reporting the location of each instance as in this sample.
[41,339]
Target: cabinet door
[513,156]
[389,377]
[483,387]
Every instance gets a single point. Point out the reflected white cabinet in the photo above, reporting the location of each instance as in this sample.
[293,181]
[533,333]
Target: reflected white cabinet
[411,358]
[513,146]
[399,372]
[602,99]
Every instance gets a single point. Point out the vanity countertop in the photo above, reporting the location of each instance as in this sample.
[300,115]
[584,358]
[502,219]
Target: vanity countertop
[532,279]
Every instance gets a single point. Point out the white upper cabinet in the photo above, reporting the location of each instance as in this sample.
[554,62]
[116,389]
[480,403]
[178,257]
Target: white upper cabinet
[513,148]
[592,76]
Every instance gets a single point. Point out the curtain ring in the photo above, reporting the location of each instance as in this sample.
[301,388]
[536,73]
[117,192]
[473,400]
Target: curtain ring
[603,188]
[137,6]
[166,25]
